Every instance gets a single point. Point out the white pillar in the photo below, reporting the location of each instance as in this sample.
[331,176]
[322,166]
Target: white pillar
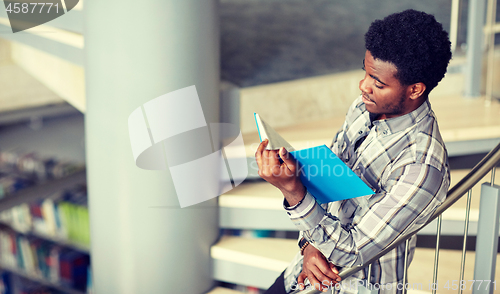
[135,51]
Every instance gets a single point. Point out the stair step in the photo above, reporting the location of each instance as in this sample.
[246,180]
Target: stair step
[466,136]
[253,262]
[253,195]
[257,205]
[258,262]
[20,90]
[254,205]
[222,290]
[312,109]
[267,253]
[421,270]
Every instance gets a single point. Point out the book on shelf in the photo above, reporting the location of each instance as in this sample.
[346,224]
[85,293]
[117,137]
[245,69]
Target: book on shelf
[44,260]
[62,216]
[12,284]
[73,266]
[46,240]
[324,175]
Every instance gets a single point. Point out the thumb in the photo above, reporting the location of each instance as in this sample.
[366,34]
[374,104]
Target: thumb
[285,156]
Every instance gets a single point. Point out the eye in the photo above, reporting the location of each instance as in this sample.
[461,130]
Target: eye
[380,87]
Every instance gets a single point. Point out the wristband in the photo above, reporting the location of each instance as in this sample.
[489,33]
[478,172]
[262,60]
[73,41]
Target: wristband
[303,244]
[287,206]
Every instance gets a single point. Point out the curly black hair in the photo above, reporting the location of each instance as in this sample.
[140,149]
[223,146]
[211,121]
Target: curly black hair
[415,43]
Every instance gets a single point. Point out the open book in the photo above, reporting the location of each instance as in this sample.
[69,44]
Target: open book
[324,175]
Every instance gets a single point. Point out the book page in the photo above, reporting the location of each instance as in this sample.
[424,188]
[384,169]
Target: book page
[267,132]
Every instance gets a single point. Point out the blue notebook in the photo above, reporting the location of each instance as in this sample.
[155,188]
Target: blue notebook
[324,175]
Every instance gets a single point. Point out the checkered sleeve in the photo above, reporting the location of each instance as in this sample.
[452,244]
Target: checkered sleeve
[409,197]
[307,214]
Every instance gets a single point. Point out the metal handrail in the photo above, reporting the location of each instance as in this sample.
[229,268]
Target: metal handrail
[454,194]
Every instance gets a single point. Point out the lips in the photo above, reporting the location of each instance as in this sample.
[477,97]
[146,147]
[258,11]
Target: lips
[367,100]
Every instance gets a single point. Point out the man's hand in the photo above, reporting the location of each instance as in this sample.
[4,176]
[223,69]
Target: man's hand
[316,268]
[282,175]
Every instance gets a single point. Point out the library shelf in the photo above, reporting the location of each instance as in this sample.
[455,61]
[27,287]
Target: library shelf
[40,280]
[43,190]
[60,241]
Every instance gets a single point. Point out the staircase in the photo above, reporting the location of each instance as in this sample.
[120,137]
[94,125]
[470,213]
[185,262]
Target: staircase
[257,205]
[57,48]
[257,262]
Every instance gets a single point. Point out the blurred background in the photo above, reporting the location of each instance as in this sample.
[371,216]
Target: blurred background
[67,87]
[265,42]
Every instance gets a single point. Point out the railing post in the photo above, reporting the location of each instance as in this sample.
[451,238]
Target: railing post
[491,21]
[454,23]
[487,239]
[466,233]
[474,48]
[436,253]
[405,271]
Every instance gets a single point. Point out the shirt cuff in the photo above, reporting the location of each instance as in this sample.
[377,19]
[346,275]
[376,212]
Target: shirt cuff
[306,214]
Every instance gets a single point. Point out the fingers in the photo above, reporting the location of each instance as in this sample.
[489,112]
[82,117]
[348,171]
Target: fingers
[274,158]
[300,280]
[258,153]
[312,280]
[326,269]
[277,173]
[289,162]
[265,159]
[321,279]
[319,271]
[334,268]
[314,277]
[285,156]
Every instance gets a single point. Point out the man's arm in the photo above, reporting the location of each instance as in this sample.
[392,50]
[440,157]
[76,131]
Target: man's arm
[409,197]
[316,268]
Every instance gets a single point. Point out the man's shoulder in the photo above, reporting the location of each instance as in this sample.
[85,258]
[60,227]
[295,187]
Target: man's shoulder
[428,129]
[420,141]
[429,146]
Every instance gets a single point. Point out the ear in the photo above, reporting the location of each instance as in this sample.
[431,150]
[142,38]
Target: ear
[416,91]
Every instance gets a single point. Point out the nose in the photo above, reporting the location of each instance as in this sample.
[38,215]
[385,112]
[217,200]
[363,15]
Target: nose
[363,85]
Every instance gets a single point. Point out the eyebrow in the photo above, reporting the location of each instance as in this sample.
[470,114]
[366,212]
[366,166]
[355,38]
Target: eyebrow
[374,77]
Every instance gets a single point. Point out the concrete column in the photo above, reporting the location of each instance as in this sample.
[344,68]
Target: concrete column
[135,51]
[475,46]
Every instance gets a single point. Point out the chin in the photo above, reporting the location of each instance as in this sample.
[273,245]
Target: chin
[371,108]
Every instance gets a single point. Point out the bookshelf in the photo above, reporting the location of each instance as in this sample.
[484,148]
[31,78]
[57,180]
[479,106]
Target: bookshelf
[43,190]
[34,119]
[58,133]
[39,280]
[36,254]
[61,241]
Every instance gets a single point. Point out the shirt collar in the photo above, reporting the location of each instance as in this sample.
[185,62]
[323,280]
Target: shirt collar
[396,124]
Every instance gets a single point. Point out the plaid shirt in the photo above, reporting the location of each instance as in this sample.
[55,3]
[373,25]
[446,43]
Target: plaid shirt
[404,161]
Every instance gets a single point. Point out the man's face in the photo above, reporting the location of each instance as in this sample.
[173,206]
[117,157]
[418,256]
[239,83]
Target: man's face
[382,92]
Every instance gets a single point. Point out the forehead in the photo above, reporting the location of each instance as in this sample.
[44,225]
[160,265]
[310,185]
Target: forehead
[385,71]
